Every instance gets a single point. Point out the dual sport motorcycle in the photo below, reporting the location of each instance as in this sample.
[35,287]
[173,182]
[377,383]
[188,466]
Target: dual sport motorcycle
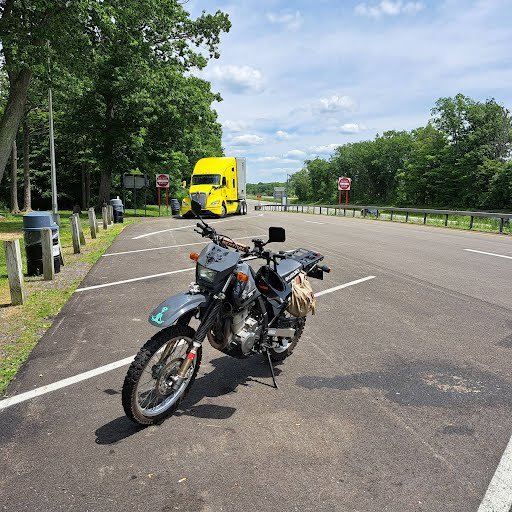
[241,312]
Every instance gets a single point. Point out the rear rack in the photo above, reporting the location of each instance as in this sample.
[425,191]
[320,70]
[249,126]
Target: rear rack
[305,257]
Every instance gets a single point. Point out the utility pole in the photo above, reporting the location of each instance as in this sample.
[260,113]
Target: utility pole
[53,171]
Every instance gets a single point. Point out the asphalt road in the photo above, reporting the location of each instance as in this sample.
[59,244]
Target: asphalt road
[397,398]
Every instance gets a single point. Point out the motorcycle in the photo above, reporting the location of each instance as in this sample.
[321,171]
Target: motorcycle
[241,312]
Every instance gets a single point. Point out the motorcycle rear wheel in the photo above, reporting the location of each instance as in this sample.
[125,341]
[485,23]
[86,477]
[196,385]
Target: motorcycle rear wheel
[147,395]
[279,355]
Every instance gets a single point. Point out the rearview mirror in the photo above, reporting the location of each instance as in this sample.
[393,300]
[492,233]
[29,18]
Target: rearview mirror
[276,234]
[196,208]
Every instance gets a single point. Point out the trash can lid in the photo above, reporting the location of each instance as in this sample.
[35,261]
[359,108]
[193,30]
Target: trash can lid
[34,221]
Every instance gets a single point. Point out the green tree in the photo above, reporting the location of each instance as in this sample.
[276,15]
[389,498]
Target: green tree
[476,132]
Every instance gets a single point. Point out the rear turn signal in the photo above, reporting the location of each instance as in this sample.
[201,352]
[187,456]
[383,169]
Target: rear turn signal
[242,277]
[194,256]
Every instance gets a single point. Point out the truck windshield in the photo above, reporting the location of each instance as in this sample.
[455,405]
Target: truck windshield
[206,179]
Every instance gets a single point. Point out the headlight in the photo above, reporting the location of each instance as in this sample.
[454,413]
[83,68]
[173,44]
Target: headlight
[215,203]
[206,273]
[186,200]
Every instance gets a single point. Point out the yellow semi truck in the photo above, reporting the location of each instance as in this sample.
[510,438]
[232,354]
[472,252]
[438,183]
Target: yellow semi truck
[218,184]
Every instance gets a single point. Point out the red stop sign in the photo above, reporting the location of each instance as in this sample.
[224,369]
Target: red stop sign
[344,183]
[162,181]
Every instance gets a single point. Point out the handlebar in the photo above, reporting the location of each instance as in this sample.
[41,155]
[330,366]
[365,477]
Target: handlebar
[206,231]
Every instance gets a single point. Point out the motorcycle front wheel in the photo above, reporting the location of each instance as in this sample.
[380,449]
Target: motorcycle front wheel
[148,395]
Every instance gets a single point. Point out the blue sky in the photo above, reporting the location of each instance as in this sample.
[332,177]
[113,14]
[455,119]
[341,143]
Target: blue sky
[298,79]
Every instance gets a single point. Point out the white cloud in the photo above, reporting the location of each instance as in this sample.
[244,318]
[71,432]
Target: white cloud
[323,150]
[388,8]
[336,104]
[238,79]
[295,153]
[247,140]
[351,128]
[292,20]
[281,160]
[234,126]
[282,135]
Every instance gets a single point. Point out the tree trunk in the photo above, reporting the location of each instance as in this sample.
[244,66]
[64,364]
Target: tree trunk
[13,114]
[106,172]
[14,179]
[85,204]
[27,192]
[88,187]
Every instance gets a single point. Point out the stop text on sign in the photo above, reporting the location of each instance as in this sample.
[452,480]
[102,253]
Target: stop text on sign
[162,181]
[344,183]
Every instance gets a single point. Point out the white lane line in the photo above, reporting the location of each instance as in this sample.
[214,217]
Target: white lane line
[22,397]
[188,226]
[7,402]
[341,286]
[171,246]
[313,222]
[115,283]
[490,254]
[498,497]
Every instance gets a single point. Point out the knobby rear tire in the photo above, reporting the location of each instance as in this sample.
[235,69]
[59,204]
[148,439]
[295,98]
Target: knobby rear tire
[130,396]
[278,357]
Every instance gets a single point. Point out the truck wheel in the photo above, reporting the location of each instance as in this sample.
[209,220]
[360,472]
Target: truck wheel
[223,211]
[244,209]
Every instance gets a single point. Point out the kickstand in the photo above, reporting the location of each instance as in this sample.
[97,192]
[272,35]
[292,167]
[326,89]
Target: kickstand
[272,369]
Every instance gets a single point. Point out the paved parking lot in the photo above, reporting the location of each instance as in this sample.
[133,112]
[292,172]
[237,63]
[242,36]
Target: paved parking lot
[397,398]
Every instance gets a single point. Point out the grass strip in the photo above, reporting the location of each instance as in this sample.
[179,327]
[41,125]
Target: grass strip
[21,327]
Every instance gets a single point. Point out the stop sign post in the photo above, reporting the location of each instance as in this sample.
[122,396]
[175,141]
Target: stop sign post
[344,184]
[162,181]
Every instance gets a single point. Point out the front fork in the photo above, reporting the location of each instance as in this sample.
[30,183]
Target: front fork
[205,326]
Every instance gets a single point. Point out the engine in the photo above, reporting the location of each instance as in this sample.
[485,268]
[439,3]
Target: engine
[238,334]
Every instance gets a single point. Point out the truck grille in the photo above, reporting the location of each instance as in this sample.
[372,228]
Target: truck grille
[200,197]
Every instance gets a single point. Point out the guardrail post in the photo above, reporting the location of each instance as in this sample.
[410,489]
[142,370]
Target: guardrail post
[424,218]
[80,229]
[47,251]
[92,222]
[391,215]
[104,216]
[446,220]
[364,213]
[502,224]
[471,222]
[14,271]
[75,234]
[406,216]
[354,212]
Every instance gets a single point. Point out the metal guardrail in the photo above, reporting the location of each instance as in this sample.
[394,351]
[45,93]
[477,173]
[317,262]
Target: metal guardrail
[504,218]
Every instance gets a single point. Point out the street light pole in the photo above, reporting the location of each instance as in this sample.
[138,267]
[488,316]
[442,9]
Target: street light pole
[53,170]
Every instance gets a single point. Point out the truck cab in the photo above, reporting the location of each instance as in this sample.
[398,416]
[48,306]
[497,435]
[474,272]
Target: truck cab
[218,184]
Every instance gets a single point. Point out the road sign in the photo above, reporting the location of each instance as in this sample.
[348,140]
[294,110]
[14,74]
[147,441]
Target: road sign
[162,181]
[136,181]
[344,183]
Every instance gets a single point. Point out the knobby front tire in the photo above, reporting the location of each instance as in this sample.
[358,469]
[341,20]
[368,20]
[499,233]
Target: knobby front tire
[147,396]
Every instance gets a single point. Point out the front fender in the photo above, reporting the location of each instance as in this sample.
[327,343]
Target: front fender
[170,310]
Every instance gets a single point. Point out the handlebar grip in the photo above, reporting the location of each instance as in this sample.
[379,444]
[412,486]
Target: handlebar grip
[325,269]
[199,225]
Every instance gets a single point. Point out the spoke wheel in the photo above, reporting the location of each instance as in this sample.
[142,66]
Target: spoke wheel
[149,392]
[280,354]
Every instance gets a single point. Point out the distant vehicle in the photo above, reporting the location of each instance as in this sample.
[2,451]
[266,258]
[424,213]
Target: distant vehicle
[372,211]
[218,185]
